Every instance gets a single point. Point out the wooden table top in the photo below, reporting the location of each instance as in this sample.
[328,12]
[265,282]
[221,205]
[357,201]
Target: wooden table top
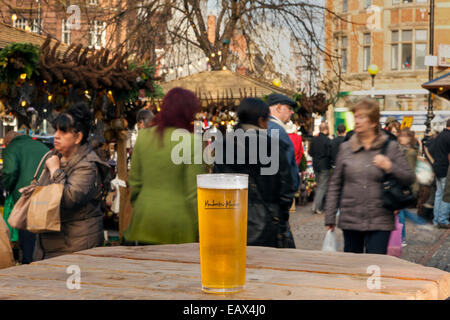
[173,272]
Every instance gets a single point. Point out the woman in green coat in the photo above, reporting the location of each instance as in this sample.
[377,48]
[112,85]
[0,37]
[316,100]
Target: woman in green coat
[163,176]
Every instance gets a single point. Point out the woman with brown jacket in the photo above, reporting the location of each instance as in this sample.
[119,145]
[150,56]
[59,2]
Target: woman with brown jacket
[74,164]
[355,186]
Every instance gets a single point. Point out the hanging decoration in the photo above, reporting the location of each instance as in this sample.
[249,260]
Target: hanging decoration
[34,82]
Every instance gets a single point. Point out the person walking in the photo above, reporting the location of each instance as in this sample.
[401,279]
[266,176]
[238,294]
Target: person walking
[144,118]
[440,151]
[281,109]
[163,191]
[320,153]
[269,195]
[20,160]
[74,164]
[355,186]
[336,143]
[407,141]
[392,128]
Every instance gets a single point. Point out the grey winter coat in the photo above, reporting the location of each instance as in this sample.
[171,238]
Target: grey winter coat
[81,217]
[359,181]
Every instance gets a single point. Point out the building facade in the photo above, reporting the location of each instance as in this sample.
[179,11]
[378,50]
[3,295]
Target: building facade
[395,36]
[86,22]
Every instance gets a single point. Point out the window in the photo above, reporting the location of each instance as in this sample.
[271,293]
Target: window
[344,5]
[20,23]
[35,26]
[344,54]
[65,32]
[406,55]
[367,3]
[340,47]
[93,1]
[366,51]
[408,46]
[97,34]
[26,24]
[420,48]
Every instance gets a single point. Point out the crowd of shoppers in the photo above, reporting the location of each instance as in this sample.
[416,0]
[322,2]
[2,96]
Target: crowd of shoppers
[349,171]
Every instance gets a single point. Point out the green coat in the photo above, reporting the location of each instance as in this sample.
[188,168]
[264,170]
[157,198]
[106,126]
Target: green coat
[163,194]
[20,160]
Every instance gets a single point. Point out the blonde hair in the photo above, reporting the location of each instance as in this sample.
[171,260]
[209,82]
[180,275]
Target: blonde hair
[371,108]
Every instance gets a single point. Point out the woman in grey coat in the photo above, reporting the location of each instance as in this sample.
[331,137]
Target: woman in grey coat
[355,186]
[74,164]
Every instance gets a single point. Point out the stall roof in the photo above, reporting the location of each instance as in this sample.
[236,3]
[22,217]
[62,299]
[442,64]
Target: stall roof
[219,84]
[439,86]
[9,34]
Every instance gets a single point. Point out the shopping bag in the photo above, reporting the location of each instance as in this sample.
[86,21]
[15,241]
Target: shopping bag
[424,172]
[9,205]
[330,242]
[43,212]
[6,254]
[395,240]
[18,217]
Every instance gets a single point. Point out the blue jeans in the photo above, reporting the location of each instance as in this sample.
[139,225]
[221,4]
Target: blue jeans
[410,216]
[441,208]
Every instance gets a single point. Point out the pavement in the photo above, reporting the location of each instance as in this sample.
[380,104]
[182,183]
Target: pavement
[426,246]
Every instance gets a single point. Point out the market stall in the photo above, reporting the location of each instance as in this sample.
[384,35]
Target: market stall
[39,82]
[439,86]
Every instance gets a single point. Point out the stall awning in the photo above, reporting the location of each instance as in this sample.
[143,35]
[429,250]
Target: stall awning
[439,86]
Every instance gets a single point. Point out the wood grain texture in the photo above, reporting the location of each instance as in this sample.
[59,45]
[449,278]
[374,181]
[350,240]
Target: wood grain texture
[173,272]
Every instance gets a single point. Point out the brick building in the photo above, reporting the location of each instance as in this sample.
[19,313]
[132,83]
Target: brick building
[88,22]
[394,35]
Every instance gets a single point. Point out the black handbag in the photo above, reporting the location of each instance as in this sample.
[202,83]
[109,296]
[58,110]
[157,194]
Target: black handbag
[395,195]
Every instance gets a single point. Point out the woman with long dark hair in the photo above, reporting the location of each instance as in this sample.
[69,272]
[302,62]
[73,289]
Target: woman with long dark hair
[163,188]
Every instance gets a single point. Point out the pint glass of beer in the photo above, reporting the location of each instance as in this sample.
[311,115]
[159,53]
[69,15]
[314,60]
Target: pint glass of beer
[222,219]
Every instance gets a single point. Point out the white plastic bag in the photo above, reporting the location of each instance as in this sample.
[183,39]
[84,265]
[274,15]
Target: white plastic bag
[330,242]
[424,172]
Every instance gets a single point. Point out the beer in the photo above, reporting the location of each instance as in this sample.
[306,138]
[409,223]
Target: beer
[222,217]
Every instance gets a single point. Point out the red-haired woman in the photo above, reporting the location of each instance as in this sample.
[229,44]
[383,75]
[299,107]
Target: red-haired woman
[162,179]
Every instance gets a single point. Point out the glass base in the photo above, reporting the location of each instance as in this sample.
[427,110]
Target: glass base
[222,290]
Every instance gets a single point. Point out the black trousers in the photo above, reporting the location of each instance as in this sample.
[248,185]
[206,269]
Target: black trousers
[375,242]
[26,243]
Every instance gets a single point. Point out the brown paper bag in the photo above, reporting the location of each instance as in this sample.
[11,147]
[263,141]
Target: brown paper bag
[6,254]
[43,212]
[18,217]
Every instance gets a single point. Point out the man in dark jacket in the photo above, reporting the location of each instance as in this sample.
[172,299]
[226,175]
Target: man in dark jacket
[20,160]
[336,142]
[440,151]
[320,153]
[281,110]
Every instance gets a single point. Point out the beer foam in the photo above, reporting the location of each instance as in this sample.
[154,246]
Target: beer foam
[222,181]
